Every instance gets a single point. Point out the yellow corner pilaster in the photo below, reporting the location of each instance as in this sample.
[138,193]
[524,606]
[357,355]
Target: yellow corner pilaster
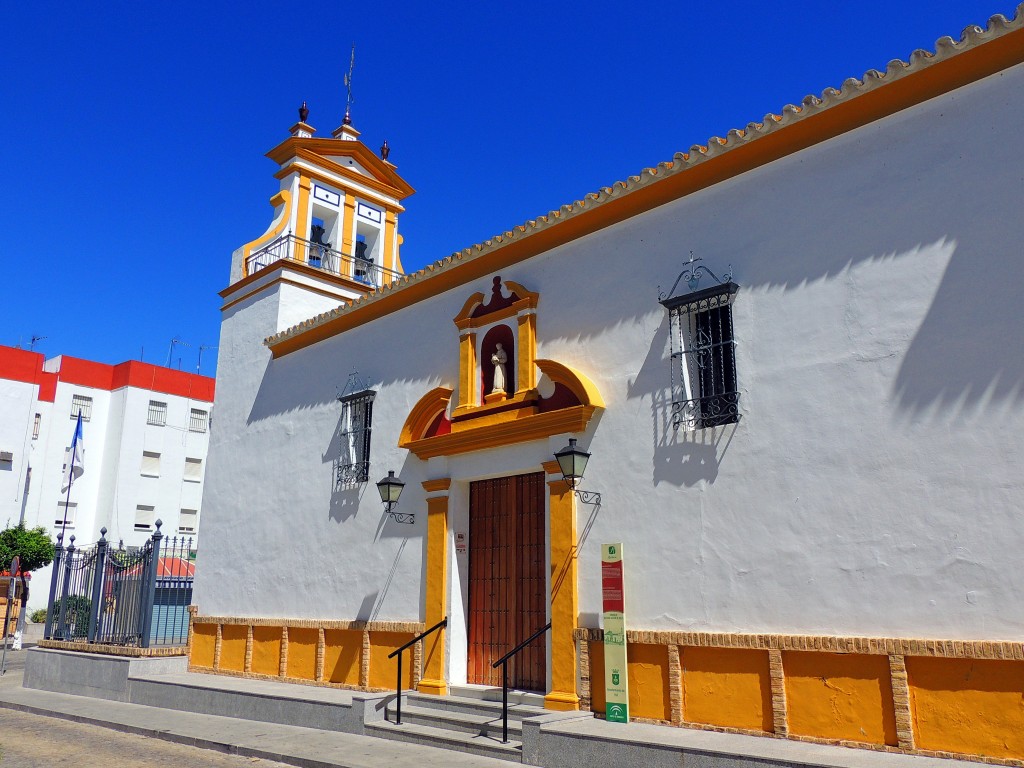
[390,225]
[467,370]
[564,597]
[434,680]
[302,218]
[348,235]
[527,353]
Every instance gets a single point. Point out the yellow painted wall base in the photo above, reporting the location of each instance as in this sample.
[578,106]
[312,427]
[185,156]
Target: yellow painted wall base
[968,705]
[944,698]
[345,654]
[728,687]
[840,696]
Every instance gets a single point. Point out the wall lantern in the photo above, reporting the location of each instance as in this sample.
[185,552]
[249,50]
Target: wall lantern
[390,488]
[572,461]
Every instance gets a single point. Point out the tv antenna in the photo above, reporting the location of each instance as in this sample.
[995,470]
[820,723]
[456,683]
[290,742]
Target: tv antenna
[348,86]
[175,342]
[35,340]
[201,348]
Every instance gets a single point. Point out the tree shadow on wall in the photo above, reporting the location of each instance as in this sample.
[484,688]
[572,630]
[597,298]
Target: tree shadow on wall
[681,457]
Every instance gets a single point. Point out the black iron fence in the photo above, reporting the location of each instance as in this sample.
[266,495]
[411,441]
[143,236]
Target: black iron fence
[119,596]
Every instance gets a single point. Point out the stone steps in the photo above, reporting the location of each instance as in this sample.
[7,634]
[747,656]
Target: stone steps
[463,724]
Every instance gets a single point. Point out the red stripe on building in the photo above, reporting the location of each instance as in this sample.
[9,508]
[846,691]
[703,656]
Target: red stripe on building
[20,365]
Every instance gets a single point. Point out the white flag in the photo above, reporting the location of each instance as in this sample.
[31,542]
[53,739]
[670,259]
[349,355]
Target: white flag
[74,457]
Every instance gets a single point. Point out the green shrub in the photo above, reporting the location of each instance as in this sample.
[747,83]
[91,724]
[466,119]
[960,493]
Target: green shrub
[76,616]
[38,616]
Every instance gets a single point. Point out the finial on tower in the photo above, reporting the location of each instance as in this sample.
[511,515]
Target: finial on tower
[385,150]
[301,129]
[348,86]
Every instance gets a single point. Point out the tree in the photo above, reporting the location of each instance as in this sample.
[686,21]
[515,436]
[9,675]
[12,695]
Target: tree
[32,545]
[34,549]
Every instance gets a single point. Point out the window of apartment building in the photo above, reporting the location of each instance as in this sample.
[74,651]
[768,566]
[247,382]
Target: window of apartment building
[188,520]
[65,515]
[144,517]
[157,413]
[703,356]
[80,404]
[150,464]
[355,428]
[193,470]
[36,422]
[198,420]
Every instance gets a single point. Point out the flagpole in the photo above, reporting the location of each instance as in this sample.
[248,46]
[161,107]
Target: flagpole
[71,476]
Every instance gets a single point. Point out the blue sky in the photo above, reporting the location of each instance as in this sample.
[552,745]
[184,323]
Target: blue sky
[134,134]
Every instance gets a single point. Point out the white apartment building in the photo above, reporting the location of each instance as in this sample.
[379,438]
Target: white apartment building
[145,433]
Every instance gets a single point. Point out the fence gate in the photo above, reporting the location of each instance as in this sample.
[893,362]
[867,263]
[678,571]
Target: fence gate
[121,597]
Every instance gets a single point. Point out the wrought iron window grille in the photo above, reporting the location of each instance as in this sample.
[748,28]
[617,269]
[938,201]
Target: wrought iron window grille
[355,430]
[702,349]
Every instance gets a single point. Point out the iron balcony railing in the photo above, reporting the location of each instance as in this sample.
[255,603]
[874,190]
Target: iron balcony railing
[323,258]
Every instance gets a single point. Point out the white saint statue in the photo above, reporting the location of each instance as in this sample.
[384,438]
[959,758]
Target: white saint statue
[498,360]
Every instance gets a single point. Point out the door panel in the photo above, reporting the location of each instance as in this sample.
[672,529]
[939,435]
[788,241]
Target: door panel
[507,600]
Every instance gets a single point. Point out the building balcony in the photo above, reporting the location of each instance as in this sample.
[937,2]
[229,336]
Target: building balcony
[318,256]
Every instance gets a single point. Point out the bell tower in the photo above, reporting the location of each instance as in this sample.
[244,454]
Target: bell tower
[335,226]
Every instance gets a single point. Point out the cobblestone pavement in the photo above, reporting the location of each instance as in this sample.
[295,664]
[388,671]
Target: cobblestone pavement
[35,741]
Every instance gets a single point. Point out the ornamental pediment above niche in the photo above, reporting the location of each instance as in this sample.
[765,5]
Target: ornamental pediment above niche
[504,393]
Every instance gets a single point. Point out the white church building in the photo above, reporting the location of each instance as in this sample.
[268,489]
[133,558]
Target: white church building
[794,355]
[145,431]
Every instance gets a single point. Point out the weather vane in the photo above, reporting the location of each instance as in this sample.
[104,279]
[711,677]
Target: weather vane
[348,86]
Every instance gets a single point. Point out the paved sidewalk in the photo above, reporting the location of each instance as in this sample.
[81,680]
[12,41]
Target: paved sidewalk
[304,747]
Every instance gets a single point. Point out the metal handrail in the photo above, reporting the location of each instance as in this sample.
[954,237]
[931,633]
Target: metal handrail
[320,257]
[398,652]
[503,661]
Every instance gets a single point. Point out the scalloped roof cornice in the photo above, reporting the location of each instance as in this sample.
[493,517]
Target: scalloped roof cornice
[979,52]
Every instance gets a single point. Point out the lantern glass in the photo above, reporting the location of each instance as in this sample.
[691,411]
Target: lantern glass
[390,488]
[572,462]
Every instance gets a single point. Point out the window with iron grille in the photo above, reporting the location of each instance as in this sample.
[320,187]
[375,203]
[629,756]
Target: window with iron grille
[80,404]
[35,426]
[157,415]
[355,427]
[703,358]
[198,420]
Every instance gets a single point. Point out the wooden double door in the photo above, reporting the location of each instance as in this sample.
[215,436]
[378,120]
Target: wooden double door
[507,585]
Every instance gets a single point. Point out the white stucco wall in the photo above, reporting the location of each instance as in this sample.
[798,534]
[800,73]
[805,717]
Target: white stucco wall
[872,486]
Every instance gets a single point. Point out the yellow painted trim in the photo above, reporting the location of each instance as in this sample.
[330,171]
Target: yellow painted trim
[532,298]
[436,589]
[348,229]
[346,182]
[319,148]
[526,353]
[282,199]
[535,427]
[465,315]
[435,486]
[388,255]
[331,167]
[564,596]
[302,219]
[494,402]
[551,468]
[468,388]
[298,266]
[658,187]
[582,387]
[423,414]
